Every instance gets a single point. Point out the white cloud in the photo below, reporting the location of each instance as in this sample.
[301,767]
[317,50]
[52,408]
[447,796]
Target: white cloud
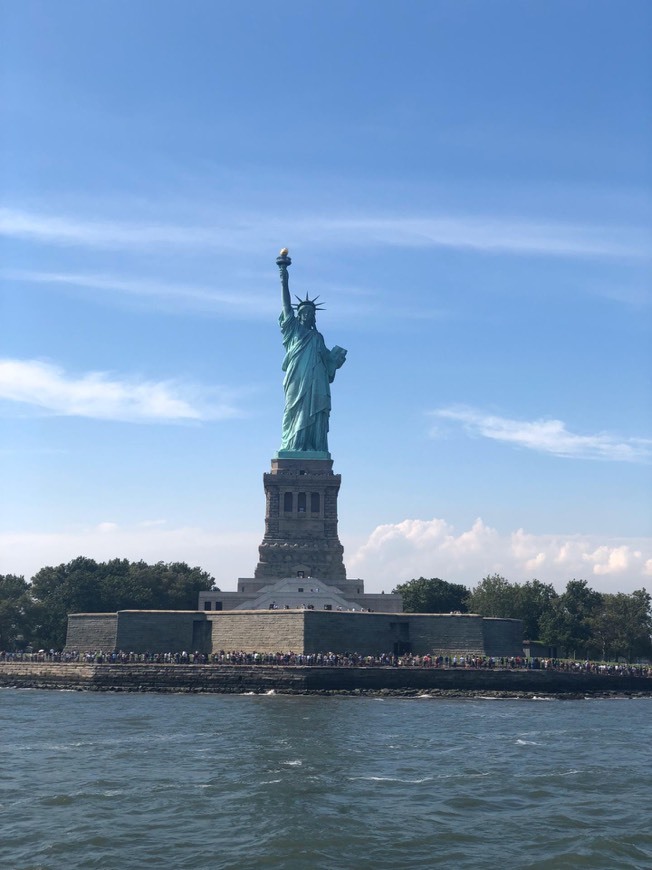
[391,554]
[433,548]
[224,556]
[537,562]
[612,560]
[107,528]
[547,436]
[245,232]
[100,395]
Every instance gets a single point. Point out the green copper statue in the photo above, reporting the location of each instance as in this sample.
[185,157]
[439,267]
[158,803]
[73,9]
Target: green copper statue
[309,368]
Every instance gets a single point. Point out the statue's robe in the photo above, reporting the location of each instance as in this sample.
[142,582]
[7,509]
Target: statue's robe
[309,371]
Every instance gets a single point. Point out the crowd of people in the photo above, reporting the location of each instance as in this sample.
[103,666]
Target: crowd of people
[330,659]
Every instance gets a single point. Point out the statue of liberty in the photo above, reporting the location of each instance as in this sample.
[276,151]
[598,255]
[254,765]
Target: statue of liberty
[309,368]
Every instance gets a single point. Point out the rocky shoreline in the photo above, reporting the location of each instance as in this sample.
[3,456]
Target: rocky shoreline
[447,694]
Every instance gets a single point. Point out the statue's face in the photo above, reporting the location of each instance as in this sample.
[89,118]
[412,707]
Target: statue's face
[306,315]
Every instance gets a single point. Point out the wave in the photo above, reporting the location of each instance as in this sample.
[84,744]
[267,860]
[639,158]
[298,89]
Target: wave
[393,779]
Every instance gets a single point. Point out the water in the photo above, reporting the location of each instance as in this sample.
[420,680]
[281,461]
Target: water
[124,781]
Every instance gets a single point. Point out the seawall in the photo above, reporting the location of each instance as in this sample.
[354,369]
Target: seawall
[308,680]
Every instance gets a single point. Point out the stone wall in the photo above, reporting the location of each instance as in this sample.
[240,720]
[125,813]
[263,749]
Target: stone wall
[374,633]
[162,631]
[454,633]
[268,631]
[139,631]
[308,631]
[46,675]
[313,631]
[502,637]
[298,680]
[92,631]
[378,602]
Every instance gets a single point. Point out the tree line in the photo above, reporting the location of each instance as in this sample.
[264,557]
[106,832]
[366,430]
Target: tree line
[36,613]
[580,622]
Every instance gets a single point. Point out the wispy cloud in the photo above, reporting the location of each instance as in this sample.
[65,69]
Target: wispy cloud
[63,230]
[244,305]
[103,396]
[241,304]
[548,436]
[247,232]
[487,234]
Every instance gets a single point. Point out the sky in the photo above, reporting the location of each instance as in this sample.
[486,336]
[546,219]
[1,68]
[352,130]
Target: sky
[466,185]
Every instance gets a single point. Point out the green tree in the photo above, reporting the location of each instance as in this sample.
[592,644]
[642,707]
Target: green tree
[57,591]
[172,586]
[534,599]
[622,626]
[15,612]
[495,596]
[86,586]
[432,596]
[568,621]
[118,589]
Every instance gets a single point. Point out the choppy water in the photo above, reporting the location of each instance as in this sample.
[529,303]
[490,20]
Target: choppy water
[122,781]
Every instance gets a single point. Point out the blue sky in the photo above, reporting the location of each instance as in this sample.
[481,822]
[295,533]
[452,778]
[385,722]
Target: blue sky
[466,185]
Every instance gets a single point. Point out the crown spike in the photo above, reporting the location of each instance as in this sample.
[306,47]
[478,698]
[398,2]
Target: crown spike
[318,306]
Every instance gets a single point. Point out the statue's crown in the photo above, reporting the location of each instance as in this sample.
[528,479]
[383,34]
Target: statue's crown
[301,303]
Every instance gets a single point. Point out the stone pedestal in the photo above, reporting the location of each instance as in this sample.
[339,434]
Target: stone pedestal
[301,522]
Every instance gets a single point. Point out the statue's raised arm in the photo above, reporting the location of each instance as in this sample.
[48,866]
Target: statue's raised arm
[309,368]
[283,261]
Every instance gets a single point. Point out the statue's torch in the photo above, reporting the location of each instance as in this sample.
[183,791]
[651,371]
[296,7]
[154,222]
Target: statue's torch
[283,260]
